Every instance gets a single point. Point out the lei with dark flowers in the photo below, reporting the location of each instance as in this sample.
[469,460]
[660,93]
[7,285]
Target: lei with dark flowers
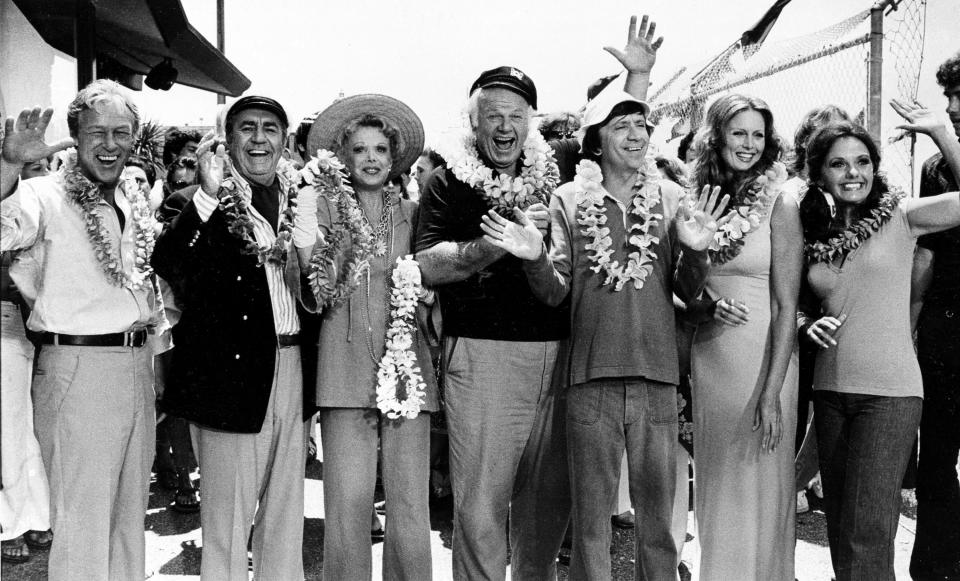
[86,195]
[856,234]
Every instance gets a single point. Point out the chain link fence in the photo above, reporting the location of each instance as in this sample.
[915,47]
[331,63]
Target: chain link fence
[795,75]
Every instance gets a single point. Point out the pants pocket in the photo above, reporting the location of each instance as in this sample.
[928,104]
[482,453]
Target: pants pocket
[55,373]
[662,404]
[583,404]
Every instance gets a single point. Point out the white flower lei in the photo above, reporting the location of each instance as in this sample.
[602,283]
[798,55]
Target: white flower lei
[592,215]
[729,239]
[399,361]
[86,195]
[536,182]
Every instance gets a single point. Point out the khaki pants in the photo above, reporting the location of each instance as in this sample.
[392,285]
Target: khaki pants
[94,417]
[257,479]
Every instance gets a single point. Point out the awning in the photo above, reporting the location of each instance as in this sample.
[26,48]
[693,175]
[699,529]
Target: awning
[139,34]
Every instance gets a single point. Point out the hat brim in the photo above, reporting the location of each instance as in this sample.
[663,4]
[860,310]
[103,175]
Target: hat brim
[331,122]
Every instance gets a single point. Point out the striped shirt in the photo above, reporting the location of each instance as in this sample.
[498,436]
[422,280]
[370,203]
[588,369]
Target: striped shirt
[285,318]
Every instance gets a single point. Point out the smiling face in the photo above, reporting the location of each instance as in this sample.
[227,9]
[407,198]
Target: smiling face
[623,141]
[255,144]
[104,140]
[368,158]
[503,121]
[847,171]
[743,140]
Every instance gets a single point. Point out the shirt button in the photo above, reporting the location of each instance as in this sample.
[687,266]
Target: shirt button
[244,317]
[238,278]
[237,356]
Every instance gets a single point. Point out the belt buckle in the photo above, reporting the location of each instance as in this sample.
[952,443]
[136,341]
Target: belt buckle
[56,338]
[130,339]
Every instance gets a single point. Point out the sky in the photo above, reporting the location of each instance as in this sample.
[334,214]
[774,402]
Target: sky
[428,52]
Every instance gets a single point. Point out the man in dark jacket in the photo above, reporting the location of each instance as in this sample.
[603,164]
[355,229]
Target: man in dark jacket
[237,372]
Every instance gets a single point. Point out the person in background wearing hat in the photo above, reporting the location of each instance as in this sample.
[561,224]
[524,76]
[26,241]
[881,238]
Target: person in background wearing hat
[364,228]
[506,442]
[93,303]
[620,247]
[236,369]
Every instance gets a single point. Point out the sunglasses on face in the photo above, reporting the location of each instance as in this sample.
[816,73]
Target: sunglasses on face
[187,162]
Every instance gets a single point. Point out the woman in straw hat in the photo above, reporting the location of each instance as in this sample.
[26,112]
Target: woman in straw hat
[375,384]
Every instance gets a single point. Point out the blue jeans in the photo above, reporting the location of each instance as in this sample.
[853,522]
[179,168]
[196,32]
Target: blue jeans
[604,417]
[864,443]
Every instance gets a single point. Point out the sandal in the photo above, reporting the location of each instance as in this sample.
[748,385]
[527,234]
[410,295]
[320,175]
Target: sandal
[15,551]
[186,501]
[40,540]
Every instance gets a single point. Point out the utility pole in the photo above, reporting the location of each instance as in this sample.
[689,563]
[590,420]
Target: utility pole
[221,44]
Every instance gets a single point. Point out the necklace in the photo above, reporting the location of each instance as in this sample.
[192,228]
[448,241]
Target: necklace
[380,232]
[538,177]
[856,234]
[86,195]
[365,306]
[744,218]
[592,216]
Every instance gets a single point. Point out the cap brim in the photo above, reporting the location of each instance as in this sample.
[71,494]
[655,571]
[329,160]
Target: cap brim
[510,87]
[331,122]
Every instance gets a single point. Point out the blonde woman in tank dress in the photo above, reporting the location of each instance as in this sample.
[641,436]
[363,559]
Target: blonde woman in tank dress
[743,360]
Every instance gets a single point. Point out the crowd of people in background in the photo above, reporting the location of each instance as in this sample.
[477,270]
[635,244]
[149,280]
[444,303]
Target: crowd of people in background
[535,317]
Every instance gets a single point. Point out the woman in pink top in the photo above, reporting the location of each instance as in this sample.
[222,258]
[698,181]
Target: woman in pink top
[859,238]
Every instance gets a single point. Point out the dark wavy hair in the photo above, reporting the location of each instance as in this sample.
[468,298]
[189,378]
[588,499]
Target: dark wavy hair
[709,168]
[592,147]
[175,141]
[376,122]
[813,120]
[818,225]
[685,144]
[146,166]
[948,74]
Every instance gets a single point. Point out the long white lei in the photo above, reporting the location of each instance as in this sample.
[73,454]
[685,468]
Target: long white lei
[86,195]
[592,215]
[399,361]
[730,236]
[536,182]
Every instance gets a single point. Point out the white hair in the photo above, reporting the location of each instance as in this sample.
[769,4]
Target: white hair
[472,110]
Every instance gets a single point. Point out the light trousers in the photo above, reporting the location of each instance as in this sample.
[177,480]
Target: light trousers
[94,417]
[257,479]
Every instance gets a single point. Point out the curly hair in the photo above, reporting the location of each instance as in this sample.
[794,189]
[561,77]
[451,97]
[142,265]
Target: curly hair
[97,91]
[146,166]
[175,141]
[813,120]
[376,122]
[948,74]
[709,167]
[818,224]
[685,144]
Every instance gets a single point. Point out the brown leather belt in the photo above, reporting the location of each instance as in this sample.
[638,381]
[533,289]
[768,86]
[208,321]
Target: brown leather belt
[288,340]
[128,339]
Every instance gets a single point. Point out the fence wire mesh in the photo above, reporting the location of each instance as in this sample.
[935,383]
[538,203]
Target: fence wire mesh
[795,75]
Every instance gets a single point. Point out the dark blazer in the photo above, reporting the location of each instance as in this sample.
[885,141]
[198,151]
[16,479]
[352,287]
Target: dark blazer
[223,364]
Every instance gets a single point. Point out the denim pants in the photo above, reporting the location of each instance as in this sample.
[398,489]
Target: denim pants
[864,443]
[604,417]
[936,549]
[507,457]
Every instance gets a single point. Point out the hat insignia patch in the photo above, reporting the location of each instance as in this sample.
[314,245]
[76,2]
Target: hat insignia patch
[516,73]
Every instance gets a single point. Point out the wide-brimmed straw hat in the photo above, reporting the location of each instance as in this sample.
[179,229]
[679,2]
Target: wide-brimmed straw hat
[330,123]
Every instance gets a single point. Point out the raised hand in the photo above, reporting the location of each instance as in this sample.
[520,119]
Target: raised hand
[640,53]
[539,214]
[213,164]
[919,118]
[695,228]
[23,139]
[522,240]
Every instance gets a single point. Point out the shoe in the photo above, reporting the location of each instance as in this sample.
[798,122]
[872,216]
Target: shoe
[380,507]
[802,504]
[40,540]
[15,551]
[624,520]
[186,501]
[376,530]
[167,478]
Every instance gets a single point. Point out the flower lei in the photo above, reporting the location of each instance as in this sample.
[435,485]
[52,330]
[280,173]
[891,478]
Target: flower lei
[330,285]
[536,182]
[731,236]
[592,215]
[399,361]
[856,234]
[86,195]
[240,224]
